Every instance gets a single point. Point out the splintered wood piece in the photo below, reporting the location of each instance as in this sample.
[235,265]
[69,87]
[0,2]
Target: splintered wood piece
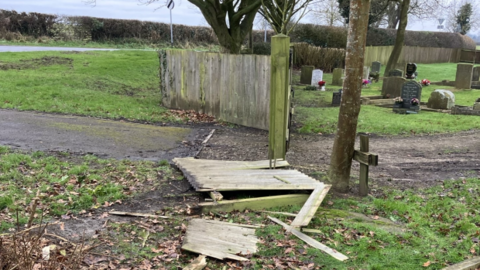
[220,240]
[254,203]
[215,195]
[312,242]
[310,207]
[118,213]
[469,264]
[198,264]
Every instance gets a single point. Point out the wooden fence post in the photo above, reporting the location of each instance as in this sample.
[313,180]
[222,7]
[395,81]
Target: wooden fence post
[279,98]
[366,159]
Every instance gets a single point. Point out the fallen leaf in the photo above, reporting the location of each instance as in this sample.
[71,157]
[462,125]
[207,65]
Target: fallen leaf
[288,250]
[426,264]
[62,226]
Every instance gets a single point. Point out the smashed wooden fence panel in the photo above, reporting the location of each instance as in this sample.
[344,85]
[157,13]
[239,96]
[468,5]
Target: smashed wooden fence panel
[220,240]
[216,175]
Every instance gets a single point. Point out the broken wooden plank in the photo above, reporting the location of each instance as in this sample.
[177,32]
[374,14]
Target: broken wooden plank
[470,264]
[312,242]
[227,164]
[219,240]
[365,158]
[215,195]
[310,207]
[198,264]
[251,226]
[279,213]
[118,213]
[254,203]
[311,230]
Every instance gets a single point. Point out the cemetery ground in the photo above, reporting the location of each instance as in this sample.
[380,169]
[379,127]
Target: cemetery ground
[421,213]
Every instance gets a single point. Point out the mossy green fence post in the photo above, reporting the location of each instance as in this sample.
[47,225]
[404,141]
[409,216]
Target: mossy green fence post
[279,97]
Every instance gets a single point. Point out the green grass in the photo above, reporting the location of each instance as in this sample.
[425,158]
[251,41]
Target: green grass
[64,185]
[107,84]
[314,114]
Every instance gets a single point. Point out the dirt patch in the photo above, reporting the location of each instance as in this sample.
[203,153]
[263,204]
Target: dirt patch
[37,63]
[115,88]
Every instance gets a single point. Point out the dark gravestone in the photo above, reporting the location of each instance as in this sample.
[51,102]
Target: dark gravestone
[395,73]
[410,71]
[306,75]
[410,90]
[337,98]
[376,67]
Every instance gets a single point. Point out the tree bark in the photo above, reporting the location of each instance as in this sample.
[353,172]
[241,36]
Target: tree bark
[398,47]
[343,146]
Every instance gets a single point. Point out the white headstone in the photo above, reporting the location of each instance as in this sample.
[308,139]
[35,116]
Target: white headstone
[366,72]
[317,75]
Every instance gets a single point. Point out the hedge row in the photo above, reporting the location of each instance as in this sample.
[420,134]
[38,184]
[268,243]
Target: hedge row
[325,59]
[99,29]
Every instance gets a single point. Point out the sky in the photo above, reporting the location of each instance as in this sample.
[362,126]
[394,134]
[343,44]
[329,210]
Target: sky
[183,13]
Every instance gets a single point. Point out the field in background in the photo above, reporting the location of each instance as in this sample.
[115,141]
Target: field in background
[106,84]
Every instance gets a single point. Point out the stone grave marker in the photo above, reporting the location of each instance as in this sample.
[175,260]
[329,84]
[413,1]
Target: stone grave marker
[476,74]
[306,75]
[410,71]
[376,66]
[395,73]
[337,98]
[392,86]
[366,73]
[441,99]
[317,75]
[337,76]
[463,78]
[410,90]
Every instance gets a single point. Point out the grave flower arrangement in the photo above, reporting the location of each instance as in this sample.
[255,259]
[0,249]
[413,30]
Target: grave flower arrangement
[365,82]
[425,82]
[321,83]
[414,101]
[398,100]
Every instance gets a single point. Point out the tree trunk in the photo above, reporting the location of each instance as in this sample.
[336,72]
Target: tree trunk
[398,47]
[343,146]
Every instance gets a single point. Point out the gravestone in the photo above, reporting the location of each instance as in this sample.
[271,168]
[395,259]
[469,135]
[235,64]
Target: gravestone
[366,73]
[306,75]
[463,78]
[337,76]
[395,73]
[392,86]
[476,74]
[337,98]
[376,66]
[410,71]
[441,99]
[410,90]
[317,75]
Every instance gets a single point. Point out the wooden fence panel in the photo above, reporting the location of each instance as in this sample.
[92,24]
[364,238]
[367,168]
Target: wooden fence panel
[233,88]
[412,55]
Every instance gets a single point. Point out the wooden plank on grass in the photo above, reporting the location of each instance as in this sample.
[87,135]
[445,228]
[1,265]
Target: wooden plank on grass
[310,207]
[312,242]
[219,240]
[198,264]
[254,203]
[470,264]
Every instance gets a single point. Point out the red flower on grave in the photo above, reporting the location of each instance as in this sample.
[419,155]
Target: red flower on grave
[425,82]
[321,83]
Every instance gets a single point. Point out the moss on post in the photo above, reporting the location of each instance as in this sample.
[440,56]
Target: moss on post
[279,103]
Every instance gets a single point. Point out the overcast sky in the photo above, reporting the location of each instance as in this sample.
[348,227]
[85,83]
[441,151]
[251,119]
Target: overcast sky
[183,13]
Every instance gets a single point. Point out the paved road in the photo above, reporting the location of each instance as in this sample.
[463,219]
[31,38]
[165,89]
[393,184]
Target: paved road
[37,48]
[104,138]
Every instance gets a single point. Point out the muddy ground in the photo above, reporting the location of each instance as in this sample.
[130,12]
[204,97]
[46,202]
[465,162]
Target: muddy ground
[404,162]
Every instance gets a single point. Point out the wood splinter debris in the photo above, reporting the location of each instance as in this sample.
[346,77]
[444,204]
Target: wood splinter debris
[312,242]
